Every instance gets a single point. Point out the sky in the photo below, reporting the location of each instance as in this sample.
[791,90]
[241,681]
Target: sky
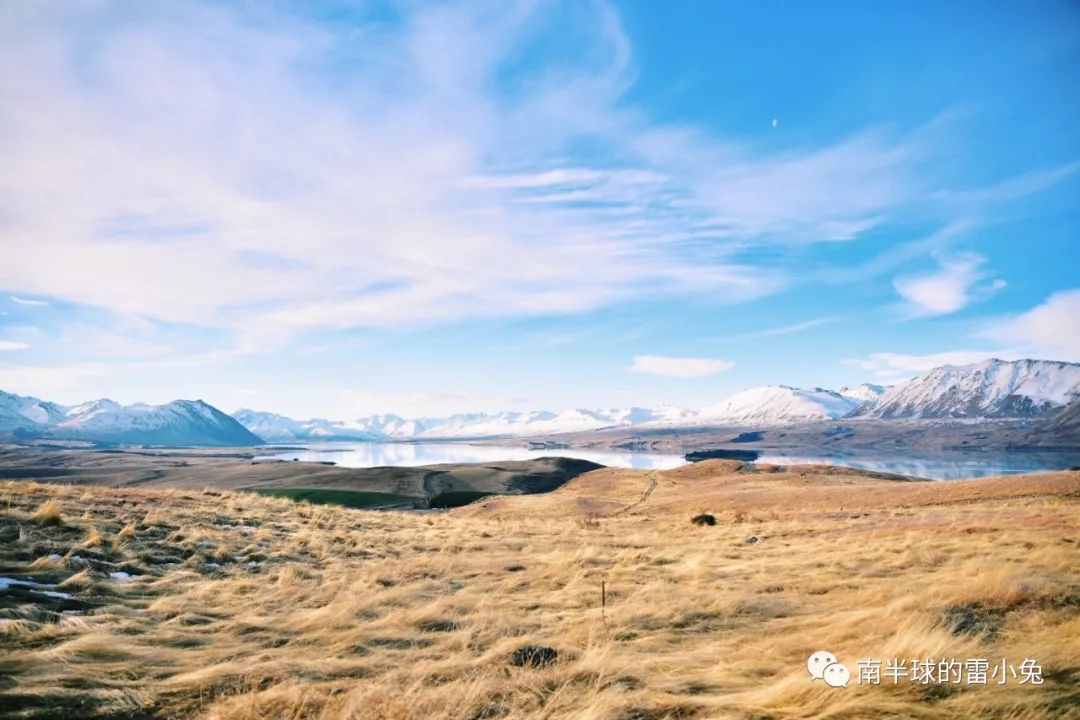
[333,209]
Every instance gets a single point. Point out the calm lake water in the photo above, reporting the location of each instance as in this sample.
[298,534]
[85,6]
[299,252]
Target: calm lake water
[940,466]
[376,454]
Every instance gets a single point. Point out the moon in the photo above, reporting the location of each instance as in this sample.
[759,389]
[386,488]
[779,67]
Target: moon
[775,122]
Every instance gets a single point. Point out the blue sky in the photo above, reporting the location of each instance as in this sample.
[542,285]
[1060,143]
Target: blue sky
[335,209]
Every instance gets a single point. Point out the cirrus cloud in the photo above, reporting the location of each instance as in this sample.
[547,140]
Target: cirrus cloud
[411,178]
[27,301]
[897,365]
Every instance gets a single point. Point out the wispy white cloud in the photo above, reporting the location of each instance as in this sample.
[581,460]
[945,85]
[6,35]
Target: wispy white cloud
[889,365]
[430,198]
[48,382]
[378,204]
[12,345]
[789,329]
[897,255]
[1011,189]
[28,302]
[956,283]
[407,180]
[680,367]
[1050,330]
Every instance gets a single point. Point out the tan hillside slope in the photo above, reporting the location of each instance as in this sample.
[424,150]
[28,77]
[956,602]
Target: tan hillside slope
[729,487]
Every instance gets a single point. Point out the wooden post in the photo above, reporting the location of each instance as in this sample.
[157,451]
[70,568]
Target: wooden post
[603,601]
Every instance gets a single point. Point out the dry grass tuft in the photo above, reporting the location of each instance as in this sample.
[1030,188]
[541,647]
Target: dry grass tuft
[48,514]
[93,539]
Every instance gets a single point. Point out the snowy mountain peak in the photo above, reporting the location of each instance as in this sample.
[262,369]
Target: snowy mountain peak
[778,404]
[274,428]
[863,393]
[278,428]
[989,389]
[180,422]
[93,407]
[24,412]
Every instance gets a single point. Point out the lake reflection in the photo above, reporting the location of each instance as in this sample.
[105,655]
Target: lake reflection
[377,454]
[937,466]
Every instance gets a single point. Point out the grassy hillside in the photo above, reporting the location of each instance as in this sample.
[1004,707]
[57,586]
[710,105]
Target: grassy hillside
[236,606]
[344,498]
[235,470]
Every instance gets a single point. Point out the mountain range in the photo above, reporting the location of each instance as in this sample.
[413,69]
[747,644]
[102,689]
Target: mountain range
[180,422]
[990,389]
[994,389]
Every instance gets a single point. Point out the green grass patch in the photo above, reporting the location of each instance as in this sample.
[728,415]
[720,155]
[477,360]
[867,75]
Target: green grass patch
[457,498]
[345,498]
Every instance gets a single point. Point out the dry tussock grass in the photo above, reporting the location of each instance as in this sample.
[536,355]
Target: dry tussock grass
[241,607]
[48,514]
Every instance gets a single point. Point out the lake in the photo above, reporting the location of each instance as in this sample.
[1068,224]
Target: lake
[954,465]
[939,466]
[381,454]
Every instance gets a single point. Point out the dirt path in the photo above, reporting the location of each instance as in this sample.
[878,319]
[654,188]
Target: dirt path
[654,479]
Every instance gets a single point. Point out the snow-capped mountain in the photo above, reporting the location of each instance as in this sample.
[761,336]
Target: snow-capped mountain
[277,428]
[990,389]
[536,422]
[181,422]
[390,426]
[272,427]
[777,405]
[863,393]
[544,422]
[22,413]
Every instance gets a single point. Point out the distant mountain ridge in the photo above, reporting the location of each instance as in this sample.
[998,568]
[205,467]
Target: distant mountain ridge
[994,389]
[778,404]
[999,389]
[865,392]
[990,389]
[279,428]
[180,422]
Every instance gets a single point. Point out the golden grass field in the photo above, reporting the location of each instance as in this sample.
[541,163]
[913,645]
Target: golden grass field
[241,607]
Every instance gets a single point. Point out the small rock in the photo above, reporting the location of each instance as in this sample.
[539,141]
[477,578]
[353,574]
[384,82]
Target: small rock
[533,656]
[703,519]
[751,540]
[515,568]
